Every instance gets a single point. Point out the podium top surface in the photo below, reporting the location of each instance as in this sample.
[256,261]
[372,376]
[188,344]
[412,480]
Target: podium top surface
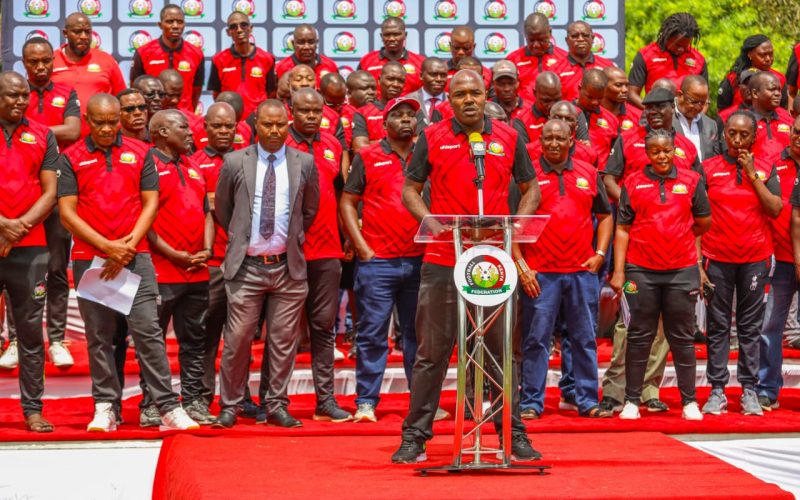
[488,229]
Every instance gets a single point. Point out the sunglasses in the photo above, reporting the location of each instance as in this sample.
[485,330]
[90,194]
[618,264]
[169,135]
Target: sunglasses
[131,109]
[240,26]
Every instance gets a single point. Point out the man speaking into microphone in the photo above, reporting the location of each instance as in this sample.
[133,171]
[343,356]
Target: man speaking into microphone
[443,156]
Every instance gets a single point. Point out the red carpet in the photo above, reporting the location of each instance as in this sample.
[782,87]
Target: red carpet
[71,415]
[81,366]
[590,466]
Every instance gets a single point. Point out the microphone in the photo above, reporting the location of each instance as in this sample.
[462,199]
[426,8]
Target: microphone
[478,153]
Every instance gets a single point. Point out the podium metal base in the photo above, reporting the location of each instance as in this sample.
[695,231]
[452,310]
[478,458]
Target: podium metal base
[484,467]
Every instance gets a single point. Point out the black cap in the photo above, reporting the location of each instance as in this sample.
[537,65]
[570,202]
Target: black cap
[658,95]
[745,74]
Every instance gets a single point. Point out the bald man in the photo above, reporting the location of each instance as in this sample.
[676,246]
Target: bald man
[442,157]
[334,95]
[305,42]
[539,54]
[265,216]
[27,196]
[603,125]
[368,120]
[462,44]
[393,35]
[173,91]
[579,58]
[533,118]
[615,99]
[108,198]
[72,62]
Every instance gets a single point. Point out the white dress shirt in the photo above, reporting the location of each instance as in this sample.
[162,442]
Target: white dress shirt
[276,244]
[426,100]
[691,131]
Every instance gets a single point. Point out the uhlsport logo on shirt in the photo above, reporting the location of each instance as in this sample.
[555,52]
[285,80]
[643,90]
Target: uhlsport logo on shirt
[294,9]
[546,8]
[140,9]
[37,9]
[27,138]
[58,102]
[195,38]
[680,189]
[441,44]
[594,10]
[137,39]
[344,10]
[495,10]
[193,8]
[445,10]
[90,8]
[246,7]
[394,8]
[127,157]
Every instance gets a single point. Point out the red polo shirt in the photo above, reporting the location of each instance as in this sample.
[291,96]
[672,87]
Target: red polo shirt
[322,238]
[533,120]
[322,66]
[569,198]
[209,161]
[251,76]
[772,136]
[348,115]
[154,57]
[529,66]
[51,104]
[603,126]
[652,63]
[373,62]
[96,73]
[628,153]
[661,212]
[181,219]
[522,105]
[628,117]
[787,170]
[740,232]
[578,151]
[109,188]
[24,154]
[730,88]
[442,154]
[571,71]
[368,121]
[376,175]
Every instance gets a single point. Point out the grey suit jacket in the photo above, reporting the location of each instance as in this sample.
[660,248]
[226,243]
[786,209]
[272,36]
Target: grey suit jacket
[233,206]
[709,136]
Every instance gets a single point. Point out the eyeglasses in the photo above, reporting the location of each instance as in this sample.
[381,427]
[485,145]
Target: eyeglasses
[694,102]
[238,26]
[131,109]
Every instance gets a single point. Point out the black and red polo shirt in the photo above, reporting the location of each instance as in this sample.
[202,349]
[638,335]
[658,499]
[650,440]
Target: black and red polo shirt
[629,155]
[661,212]
[154,57]
[442,155]
[578,151]
[652,63]
[772,135]
[30,149]
[740,232]
[251,76]
[628,117]
[522,104]
[373,62]
[109,187]
[368,121]
[376,175]
[322,66]
[181,219]
[51,104]
[332,124]
[451,71]
[243,137]
[603,126]
[730,95]
[529,66]
[210,161]
[569,198]
[322,238]
[346,119]
[787,170]
[532,120]
[570,72]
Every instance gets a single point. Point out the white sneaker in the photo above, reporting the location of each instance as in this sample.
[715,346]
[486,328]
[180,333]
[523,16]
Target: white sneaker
[692,411]
[441,414]
[10,359]
[338,355]
[177,420]
[365,413]
[59,355]
[104,419]
[630,411]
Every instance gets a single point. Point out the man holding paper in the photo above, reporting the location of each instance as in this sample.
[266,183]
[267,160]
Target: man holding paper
[108,198]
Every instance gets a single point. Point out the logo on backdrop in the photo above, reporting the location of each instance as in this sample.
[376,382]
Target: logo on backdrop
[445,10]
[195,38]
[594,10]
[193,8]
[140,9]
[547,8]
[442,43]
[345,72]
[288,43]
[37,9]
[394,8]
[294,9]
[485,275]
[97,42]
[344,43]
[344,9]
[495,11]
[36,33]
[137,39]
[598,44]
[91,8]
[246,7]
[495,44]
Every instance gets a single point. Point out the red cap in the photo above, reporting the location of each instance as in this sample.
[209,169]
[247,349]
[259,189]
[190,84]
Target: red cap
[397,101]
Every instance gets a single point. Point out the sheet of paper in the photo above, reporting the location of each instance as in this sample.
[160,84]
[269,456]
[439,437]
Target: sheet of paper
[624,310]
[117,294]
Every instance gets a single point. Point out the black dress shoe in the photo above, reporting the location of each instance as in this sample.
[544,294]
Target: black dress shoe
[282,418]
[249,408]
[261,415]
[226,419]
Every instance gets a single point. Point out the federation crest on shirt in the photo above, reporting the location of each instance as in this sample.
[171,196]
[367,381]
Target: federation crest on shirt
[325,123]
[184,66]
[127,157]
[784,128]
[257,72]
[328,155]
[345,122]
[762,176]
[193,174]
[93,68]
[238,139]
[680,153]
[691,62]
[27,138]
[680,189]
[58,102]
[581,183]
[602,123]
[626,124]
[496,149]
[410,69]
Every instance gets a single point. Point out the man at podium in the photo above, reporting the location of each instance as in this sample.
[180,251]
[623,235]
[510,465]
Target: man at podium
[443,157]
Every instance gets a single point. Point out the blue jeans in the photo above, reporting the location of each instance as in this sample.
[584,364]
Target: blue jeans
[784,285]
[579,294]
[380,285]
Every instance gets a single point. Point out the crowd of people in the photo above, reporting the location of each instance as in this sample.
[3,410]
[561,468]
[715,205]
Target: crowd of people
[298,182]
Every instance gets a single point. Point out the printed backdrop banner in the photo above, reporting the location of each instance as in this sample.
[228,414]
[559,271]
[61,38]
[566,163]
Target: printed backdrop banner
[348,29]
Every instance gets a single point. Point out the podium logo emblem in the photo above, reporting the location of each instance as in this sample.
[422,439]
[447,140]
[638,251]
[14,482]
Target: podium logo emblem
[485,275]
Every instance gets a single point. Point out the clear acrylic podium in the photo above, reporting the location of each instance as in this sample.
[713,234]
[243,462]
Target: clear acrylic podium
[499,231]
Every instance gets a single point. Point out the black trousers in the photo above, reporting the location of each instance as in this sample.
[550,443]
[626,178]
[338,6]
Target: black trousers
[185,304]
[22,274]
[58,241]
[216,316]
[747,281]
[670,296]
[437,332]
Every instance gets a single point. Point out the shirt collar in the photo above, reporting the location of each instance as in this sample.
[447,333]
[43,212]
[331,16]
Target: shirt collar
[211,152]
[458,129]
[650,173]
[301,138]
[297,62]
[730,160]
[263,154]
[536,112]
[547,168]
[574,62]
[548,51]
[772,115]
[92,147]
[250,56]
[696,119]
[383,55]
[41,90]
[426,96]
[164,158]
[168,49]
